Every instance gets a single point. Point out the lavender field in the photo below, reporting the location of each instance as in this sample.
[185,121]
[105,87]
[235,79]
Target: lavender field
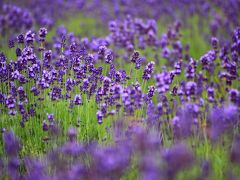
[119,89]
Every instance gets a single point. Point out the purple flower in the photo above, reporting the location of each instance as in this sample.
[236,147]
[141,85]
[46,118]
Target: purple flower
[35,91]
[77,99]
[186,120]
[235,154]
[69,84]
[151,91]
[102,51]
[177,67]
[50,117]
[42,34]
[106,84]
[190,88]
[190,69]
[109,58]
[20,39]
[45,126]
[148,70]
[72,134]
[177,158]
[214,42]
[211,94]
[11,143]
[208,59]
[29,37]
[10,102]
[222,119]
[18,52]
[163,80]
[234,95]
[13,168]
[11,43]
[135,57]
[56,93]
[99,115]
[35,169]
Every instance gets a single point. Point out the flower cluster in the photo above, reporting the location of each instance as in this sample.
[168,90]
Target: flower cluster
[158,119]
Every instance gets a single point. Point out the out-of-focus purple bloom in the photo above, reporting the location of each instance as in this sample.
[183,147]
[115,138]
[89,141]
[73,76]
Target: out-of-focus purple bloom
[234,95]
[214,43]
[13,168]
[35,169]
[177,158]
[163,80]
[11,143]
[222,119]
[186,120]
[11,43]
[235,154]
[190,88]
[211,94]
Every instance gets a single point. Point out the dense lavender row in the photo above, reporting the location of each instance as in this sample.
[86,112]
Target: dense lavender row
[133,104]
[186,98]
[73,66]
[15,18]
[175,10]
[133,148]
[222,15]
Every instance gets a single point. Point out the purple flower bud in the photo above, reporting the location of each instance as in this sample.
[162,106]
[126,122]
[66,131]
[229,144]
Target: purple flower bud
[109,58]
[56,93]
[210,92]
[77,99]
[10,102]
[214,42]
[50,117]
[20,39]
[99,117]
[135,56]
[151,91]
[148,70]
[18,52]
[45,126]
[29,37]
[234,95]
[174,91]
[42,34]
[207,59]
[11,43]
[102,51]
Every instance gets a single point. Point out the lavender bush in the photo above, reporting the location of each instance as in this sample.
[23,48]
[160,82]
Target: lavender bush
[142,91]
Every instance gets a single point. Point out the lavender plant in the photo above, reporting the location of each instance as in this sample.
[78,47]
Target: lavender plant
[136,102]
